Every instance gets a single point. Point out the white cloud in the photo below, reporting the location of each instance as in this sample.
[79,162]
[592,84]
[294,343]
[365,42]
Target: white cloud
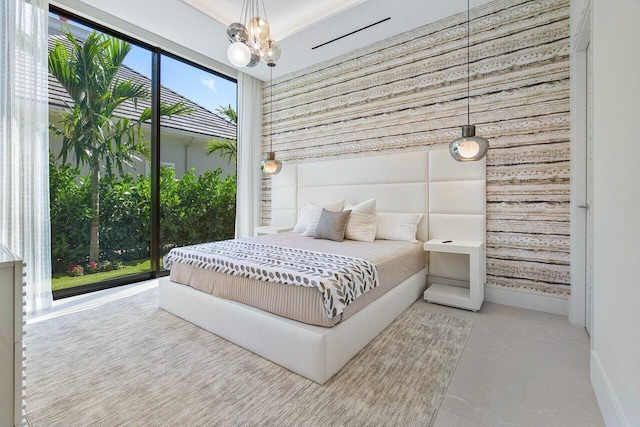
[210,83]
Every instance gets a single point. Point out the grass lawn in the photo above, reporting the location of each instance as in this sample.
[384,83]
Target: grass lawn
[63,280]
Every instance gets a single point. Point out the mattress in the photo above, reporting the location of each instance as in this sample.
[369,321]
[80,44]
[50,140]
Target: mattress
[395,262]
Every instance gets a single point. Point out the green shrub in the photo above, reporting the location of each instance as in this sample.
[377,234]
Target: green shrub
[196,209]
[70,216]
[193,209]
[125,217]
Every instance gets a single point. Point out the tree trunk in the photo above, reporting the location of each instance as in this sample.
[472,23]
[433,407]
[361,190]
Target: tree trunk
[94,246]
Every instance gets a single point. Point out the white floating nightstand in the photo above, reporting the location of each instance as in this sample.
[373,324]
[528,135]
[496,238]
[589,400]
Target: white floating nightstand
[471,298]
[270,229]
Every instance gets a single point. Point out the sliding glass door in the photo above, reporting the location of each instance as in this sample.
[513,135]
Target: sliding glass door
[197,157]
[141,156]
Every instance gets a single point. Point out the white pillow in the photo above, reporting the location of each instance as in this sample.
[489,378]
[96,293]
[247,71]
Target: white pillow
[313,215]
[363,222]
[303,221]
[398,226]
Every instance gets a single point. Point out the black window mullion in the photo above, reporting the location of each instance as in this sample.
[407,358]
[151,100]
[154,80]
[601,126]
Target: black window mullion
[155,162]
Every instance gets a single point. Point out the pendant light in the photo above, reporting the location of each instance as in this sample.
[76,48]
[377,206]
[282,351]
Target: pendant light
[250,37]
[469,147]
[270,165]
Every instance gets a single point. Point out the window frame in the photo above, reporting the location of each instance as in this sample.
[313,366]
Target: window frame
[156,68]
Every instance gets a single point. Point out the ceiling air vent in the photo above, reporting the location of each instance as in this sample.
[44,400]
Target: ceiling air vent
[352,32]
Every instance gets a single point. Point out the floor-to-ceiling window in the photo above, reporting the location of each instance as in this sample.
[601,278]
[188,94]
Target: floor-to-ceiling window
[197,157]
[142,156]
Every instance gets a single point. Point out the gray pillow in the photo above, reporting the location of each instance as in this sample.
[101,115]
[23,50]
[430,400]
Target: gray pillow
[332,225]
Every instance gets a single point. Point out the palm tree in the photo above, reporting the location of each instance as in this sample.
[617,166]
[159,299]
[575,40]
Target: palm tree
[89,127]
[224,147]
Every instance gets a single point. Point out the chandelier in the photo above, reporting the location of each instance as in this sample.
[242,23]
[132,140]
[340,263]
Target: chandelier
[250,38]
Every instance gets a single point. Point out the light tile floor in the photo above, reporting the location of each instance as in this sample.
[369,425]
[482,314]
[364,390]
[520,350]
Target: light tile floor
[519,368]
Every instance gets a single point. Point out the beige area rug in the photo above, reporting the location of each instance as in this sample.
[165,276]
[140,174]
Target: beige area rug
[127,362]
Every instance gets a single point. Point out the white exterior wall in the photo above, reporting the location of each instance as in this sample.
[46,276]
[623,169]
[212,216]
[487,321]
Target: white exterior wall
[615,361]
[182,150]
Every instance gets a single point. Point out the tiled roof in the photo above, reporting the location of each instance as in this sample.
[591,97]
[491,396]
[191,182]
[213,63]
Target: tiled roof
[200,121]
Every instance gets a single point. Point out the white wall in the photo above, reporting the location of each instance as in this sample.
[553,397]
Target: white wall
[187,152]
[615,361]
[180,149]
[197,158]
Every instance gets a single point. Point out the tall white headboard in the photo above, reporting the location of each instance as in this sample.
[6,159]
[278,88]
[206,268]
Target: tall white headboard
[398,181]
[457,209]
[451,194]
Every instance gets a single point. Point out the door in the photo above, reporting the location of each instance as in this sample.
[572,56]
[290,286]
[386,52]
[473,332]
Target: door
[581,303]
[589,205]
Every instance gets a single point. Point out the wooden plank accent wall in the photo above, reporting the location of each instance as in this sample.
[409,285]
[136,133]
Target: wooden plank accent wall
[409,93]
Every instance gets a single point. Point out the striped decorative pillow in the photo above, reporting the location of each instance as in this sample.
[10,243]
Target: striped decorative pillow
[363,222]
[303,220]
[313,215]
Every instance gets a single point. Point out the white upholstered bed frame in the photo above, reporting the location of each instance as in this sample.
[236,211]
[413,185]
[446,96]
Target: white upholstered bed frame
[400,183]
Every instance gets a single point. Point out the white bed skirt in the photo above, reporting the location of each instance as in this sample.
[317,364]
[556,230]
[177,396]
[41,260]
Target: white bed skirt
[314,352]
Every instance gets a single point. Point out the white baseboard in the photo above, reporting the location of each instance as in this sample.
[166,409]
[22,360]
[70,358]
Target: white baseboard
[609,405]
[527,299]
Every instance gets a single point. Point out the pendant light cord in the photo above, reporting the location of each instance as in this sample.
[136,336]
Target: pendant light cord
[271,112]
[244,14]
[264,9]
[468,60]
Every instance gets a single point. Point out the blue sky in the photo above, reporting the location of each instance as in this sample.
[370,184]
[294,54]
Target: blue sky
[201,87]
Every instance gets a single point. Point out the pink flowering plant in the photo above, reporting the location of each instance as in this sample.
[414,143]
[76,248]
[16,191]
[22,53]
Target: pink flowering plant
[76,270]
[92,267]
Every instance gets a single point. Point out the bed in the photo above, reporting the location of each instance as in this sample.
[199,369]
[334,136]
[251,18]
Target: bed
[307,341]
[395,262]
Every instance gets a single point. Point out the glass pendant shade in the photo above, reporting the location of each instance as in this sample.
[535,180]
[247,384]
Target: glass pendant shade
[470,147]
[256,45]
[239,54]
[258,28]
[237,32]
[255,57]
[271,52]
[270,165]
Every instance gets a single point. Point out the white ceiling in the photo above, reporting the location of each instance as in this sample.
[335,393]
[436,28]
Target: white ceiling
[285,17]
[299,25]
